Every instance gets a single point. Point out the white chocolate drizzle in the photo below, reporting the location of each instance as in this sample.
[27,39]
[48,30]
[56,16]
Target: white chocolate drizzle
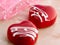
[27,31]
[36,13]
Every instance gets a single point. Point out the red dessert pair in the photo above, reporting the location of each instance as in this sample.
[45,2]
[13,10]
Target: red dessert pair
[26,33]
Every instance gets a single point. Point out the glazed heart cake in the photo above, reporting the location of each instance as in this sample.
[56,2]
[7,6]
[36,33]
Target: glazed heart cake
[9,8]
[24,33]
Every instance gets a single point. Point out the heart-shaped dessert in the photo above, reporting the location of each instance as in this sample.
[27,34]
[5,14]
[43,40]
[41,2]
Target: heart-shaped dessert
[42,16]
[24,33]
[9,8]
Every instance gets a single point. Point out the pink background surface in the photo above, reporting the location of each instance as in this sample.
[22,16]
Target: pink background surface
[9,8]
[47,36]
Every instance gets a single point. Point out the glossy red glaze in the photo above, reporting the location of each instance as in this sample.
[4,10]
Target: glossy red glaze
[24,33]
[42,16]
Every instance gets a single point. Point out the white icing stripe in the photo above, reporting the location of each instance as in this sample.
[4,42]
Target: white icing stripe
[32,33]
[13,29]
[30,36]
[16,33]
[35,30]
[28,31]
[44,14]
[38,15]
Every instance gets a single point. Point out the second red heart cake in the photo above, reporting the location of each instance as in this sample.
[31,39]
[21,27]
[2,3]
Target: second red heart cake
[24,33]
[42,16]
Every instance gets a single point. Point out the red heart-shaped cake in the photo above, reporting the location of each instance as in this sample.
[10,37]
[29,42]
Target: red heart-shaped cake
[42,16]
[24,33]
